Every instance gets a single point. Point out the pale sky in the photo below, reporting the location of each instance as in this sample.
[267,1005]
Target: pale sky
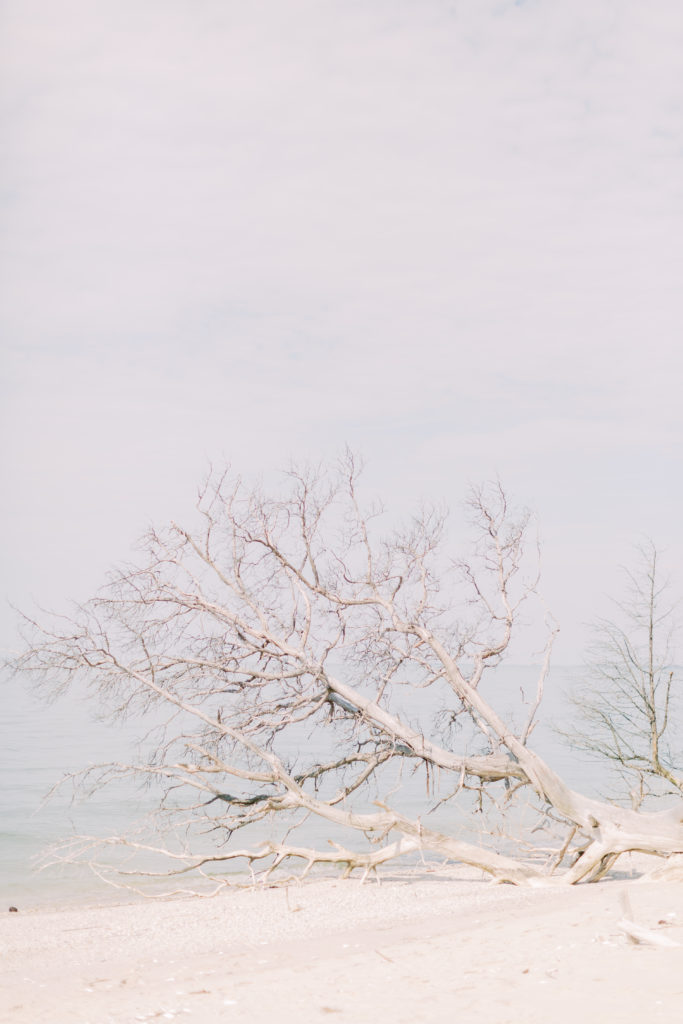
[449,234]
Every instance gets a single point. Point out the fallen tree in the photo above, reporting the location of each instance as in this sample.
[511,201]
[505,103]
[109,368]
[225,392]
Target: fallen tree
[282,619]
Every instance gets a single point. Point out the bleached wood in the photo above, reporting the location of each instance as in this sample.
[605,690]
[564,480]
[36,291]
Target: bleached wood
[236,631]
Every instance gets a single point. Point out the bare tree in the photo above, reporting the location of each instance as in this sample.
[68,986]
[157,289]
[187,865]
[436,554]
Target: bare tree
[282,619]
[626,713]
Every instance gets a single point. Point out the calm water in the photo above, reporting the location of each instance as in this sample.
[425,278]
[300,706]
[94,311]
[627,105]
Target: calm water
[39,743]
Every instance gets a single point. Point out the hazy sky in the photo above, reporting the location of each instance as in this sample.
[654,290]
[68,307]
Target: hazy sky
[447,233]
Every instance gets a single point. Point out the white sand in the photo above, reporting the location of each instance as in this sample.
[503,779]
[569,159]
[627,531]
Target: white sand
[417,948]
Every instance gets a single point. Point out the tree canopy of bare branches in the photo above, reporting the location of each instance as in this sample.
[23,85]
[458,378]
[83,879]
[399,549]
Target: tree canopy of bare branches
[278,620]
[626,707]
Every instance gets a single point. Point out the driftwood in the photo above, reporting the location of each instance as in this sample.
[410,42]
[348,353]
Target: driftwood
[290,616]
[644,936]
[636,933]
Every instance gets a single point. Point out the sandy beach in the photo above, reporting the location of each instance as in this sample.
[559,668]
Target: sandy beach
[422,947]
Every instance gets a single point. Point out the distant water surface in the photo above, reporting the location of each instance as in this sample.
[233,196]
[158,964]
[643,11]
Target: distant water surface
[41,742]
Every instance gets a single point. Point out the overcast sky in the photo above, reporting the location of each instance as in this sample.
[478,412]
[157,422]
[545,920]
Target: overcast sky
[447,233]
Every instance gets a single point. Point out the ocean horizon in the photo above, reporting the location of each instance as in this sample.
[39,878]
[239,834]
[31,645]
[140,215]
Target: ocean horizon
[41,743]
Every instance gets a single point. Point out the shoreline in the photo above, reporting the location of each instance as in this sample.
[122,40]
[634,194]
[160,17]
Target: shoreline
[415,947]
